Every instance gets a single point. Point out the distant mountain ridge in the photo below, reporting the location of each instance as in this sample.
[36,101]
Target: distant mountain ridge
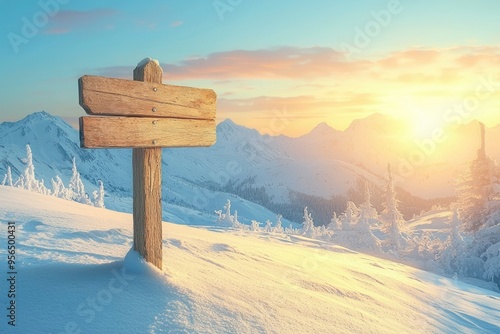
[281,170]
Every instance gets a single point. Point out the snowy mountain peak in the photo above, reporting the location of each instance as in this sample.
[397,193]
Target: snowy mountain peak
[323,129]
[228,129]
[227,125]
[43,119]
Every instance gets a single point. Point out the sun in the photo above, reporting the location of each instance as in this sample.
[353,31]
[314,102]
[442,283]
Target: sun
[424,124]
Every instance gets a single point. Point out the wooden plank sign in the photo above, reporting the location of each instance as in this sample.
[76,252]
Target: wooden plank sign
[145,115]
[156,115]
[146,132]
[116,97]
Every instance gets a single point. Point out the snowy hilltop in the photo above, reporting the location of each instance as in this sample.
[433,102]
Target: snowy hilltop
[271,180]
[76,274]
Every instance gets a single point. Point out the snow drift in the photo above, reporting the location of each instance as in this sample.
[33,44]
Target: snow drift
[74,275]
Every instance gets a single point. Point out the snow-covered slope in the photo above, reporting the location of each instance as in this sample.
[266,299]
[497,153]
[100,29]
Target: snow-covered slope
[73,275]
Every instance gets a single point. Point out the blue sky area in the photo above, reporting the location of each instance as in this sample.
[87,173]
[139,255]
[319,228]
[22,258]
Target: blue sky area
[314,61]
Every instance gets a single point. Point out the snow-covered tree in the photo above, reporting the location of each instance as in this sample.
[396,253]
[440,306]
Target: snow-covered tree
[355,232]
[366,209]
[99,196]
[290,230]
[225,219]
[492,263]
[392,219]
[334,223]
[278,228]
[30,182]
[269,226]
[479,204]
[76,187]
[307,225]
[486,246]
[19,182]
[7,181]
[350,216]
[255,226]
[42,189]
[237,224]
[59,190]
[453,258]
[476,190]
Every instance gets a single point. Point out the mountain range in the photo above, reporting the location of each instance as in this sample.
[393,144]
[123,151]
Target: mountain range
[261,174]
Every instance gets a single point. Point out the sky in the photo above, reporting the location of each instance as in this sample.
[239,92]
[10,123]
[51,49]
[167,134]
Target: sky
[278,66]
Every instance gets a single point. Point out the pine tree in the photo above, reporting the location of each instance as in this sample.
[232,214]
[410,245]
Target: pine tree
[255,226]
[59,190]
[453,258]
[350,216]
[355,232]
[30,182]
[367,211]
[27,179]
[307,225]
[20,182]
[392,218]
[225,219]
[8,177]
[475,189]
[278,228]
[77,189]
[99,196]
[236,223]
[269,227]
[479,204]
[334,223]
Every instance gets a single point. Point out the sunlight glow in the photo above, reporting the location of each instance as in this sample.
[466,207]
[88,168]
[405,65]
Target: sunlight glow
[425,123]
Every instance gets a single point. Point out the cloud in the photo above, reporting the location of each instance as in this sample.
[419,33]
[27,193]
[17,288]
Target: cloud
[410,57]
[353,101]
[176,23]
[411,66]
[68,20]
[277,63]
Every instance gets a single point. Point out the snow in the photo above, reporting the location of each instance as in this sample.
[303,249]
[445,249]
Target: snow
[147,60]
[77,272]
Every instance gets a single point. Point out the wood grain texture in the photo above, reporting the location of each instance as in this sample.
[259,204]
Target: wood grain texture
[146,164]
[143,132]
[146,170]
[118,97]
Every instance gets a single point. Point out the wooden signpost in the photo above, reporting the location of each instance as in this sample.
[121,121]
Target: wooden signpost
[145,115]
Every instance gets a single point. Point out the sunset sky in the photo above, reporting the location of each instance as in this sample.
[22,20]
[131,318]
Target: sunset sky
[279,66]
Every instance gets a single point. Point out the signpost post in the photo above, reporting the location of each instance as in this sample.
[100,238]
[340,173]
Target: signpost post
[145,115]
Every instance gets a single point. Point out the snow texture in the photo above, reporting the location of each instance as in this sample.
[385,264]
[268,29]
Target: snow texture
[77,273]
[147,60]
